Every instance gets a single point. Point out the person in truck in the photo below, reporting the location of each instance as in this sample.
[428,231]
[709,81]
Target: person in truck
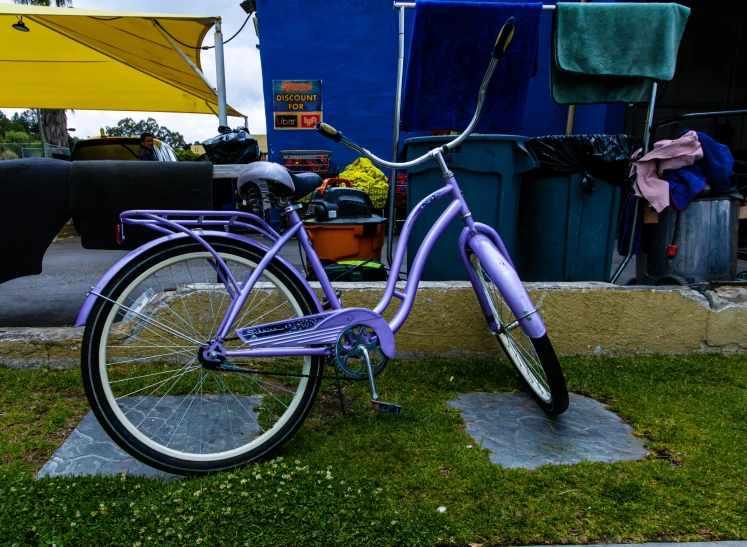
[147,153]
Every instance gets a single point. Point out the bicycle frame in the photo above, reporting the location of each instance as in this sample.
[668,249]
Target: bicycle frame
[476,238]
[473,236]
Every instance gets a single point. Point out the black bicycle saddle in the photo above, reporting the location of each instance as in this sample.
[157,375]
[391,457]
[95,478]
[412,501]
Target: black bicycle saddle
[297,184]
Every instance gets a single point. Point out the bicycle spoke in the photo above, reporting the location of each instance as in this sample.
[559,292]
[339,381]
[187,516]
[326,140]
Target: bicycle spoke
[148,320]
[170,403]
[197,297]
[264,388]
[243,379]
[158,334]
[166,321]
[184,322]
[150,357]
[258,381]
[144,376]
[189,322]
[194,390]
[159,384]
[250,309]
[176,381]
[519,350]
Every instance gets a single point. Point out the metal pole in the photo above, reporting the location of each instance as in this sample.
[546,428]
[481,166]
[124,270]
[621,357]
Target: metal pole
[395,141]
[649,119]
[220,72]
[571,118]
[183,55]
[41,132]
[637,207]
[411,5]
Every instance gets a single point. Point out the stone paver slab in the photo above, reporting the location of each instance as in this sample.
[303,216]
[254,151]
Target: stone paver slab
[173,420]
[521,435]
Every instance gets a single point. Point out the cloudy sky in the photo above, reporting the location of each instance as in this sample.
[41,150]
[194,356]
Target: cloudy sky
[243,75]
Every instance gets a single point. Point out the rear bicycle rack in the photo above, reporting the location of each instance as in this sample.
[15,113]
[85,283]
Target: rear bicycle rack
[171,222]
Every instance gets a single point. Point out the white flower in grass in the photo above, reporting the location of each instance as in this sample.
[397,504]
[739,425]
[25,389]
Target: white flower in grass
[441,509]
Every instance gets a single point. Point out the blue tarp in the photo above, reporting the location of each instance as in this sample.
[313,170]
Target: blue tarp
[352,48]
[450,50]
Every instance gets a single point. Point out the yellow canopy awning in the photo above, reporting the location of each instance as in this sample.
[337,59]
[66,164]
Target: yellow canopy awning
[102,60]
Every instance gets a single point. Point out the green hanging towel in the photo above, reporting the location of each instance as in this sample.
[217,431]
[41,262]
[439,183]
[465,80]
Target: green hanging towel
[612,53]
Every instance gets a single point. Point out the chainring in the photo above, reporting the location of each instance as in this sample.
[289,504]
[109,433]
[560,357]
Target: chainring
[348,357]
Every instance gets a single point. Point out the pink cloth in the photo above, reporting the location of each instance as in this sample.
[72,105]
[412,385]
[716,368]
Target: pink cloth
[647,171]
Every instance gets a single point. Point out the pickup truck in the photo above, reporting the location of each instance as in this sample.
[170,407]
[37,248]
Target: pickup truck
[38,197]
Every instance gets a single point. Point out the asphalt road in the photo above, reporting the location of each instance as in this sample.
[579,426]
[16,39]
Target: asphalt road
[54,298]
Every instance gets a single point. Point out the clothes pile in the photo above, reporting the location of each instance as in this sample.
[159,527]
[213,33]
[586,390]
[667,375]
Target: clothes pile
[676,171]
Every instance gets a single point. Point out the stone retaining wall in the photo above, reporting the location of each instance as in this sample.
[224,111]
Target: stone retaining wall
[582,319]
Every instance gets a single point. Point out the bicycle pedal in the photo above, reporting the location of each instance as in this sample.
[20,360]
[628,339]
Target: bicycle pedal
[386,407]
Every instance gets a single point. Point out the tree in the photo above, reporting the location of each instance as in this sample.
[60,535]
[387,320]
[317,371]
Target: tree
[54,121]
[24,122]
[16,137]
[127,127]
[186,155]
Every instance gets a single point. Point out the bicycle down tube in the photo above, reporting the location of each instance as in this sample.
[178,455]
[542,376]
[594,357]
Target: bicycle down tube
[456,208]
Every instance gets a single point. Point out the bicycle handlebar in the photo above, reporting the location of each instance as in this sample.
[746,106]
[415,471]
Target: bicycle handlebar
[501,44]
[504,38]
[326,130]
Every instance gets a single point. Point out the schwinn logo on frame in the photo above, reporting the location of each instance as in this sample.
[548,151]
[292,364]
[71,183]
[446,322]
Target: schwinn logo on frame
[252,333]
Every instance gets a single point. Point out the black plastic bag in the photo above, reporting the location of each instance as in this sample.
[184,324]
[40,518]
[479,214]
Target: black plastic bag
[604,156]
[236,146]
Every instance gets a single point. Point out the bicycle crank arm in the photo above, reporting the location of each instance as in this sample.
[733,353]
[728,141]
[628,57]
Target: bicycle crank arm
[317,329]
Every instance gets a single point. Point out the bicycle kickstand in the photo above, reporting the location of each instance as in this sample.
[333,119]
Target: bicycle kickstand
[381,406]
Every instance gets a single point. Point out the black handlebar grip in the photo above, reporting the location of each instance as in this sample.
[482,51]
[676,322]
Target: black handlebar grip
[328,131]
[504,38]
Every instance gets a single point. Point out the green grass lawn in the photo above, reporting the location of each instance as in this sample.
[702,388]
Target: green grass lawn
[375,479]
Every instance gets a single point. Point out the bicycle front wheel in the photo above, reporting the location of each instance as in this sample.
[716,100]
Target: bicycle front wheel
[533,358]
[142,371]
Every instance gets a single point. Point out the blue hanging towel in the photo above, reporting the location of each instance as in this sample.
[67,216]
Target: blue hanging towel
[717,163]
[684,184]
[452,41]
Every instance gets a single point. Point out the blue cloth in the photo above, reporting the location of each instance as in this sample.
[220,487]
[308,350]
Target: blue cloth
[717,163]
[684,184]
[625,226]
[451,46]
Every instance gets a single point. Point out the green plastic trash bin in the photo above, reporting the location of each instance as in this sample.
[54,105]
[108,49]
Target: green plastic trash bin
[565,234]
[488,169]
[568,209]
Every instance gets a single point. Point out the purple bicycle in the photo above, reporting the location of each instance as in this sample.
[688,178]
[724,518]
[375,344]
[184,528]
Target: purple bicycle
[205,350]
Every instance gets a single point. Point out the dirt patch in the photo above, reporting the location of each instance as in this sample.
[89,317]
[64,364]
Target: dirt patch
[327,406]
[37,434]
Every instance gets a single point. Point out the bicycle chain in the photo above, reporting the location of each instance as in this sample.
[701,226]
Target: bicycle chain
[291,375]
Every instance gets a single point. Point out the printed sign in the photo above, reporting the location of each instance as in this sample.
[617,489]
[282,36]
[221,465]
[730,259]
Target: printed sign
[297,104]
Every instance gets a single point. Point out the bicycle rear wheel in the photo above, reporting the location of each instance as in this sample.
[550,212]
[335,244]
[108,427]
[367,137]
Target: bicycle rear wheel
[533,358]
[146,383]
